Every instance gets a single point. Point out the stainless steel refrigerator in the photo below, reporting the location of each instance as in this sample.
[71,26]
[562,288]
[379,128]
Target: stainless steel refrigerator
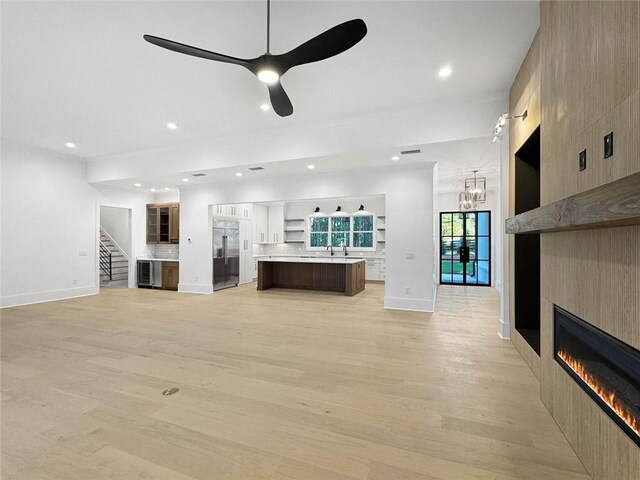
[226,253]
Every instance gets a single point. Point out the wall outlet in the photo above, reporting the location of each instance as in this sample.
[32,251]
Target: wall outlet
[582,157]
[608,145]
[409,256]
[83,253]
[407,290]
[196,279]
[74,281]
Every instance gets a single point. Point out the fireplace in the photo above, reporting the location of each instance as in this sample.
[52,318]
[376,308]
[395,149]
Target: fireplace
[606,368]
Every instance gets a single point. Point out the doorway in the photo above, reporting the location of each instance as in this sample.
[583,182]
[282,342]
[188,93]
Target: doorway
[465,248]
[114,247]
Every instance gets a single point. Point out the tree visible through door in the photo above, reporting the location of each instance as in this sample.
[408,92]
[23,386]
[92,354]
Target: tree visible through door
[465,248]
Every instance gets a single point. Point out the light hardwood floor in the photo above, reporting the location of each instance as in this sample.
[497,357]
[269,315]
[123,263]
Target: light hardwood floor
[273,385]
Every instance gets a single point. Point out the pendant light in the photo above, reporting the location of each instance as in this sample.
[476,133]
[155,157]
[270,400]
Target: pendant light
[339,212]
[466,202]
[361,211]
[476,188]
[318,213]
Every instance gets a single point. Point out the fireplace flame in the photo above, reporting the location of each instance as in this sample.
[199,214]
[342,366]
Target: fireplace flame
[608,397]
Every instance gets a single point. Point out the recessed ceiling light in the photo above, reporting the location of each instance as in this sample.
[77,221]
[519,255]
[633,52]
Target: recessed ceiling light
[166,189]
[395,158]
[152,189]
[445,71]
[172,126]
[185,180]
[265,107]
[70,145]
[137,184]
[238,174]
[311,167]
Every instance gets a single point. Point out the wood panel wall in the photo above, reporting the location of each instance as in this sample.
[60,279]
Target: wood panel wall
[524,95]
[589,77]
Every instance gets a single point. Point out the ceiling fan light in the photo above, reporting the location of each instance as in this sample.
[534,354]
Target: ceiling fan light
[268,76]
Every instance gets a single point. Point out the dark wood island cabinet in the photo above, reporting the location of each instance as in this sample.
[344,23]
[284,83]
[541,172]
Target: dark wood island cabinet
[327,274]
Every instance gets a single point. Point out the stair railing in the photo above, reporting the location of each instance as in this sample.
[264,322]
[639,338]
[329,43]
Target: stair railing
[106,234]
[105,261]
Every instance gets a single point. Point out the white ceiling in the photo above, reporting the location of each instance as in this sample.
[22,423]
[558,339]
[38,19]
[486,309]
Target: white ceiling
[456,160]
[80,71]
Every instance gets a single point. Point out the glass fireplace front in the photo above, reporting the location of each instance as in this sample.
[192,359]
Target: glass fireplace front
[606,368]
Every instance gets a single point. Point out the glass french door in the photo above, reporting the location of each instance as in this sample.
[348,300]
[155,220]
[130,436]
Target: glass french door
[465,248]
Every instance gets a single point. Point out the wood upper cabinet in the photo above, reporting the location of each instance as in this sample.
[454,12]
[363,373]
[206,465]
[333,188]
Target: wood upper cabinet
[174,230]
[163,223]
[170,275]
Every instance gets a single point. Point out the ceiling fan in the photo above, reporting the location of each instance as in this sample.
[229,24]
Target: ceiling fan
[269,68]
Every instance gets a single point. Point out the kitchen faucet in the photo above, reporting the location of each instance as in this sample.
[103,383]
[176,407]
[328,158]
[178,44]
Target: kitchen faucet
[344,249]
[330,247]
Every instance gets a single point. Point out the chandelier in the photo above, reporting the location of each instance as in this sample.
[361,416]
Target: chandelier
[476,188]
[466,202]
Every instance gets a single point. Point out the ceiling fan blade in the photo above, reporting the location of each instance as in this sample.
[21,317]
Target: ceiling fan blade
[280,100]
[196,52]
[328,44]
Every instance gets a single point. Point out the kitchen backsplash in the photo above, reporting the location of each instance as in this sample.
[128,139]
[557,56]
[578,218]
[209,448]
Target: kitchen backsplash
[164,251]
[296,249]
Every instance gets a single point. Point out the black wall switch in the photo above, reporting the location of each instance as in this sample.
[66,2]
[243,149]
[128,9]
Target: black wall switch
[583,160]
[608,145]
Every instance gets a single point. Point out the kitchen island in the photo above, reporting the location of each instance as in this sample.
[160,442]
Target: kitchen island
[335,274]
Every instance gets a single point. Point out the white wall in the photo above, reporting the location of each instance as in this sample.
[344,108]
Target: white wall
[115,221]
[448,202]
[503,323]
[408,195]
[172,196]
[50,225]
[302,209]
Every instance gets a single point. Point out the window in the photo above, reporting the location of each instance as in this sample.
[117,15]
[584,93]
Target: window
[352,231]
[318,232]
[363,231]
[341,231]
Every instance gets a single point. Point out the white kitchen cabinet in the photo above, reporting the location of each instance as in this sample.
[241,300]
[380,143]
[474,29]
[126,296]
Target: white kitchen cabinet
[245,210]
[375,269]
[246,250]
[372,270]
[276,224]
[261,223]
[226,210]
[248,269]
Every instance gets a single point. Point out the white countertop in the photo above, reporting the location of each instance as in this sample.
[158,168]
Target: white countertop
[145,259]
[354,255]
[338,260]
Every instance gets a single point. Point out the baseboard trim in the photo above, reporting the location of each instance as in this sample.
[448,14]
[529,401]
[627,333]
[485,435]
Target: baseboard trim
[48,296]
[435,296]
[195,288]
[504,331]
[410,304]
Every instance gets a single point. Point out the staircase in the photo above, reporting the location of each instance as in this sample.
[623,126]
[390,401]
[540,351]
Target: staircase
[119,263]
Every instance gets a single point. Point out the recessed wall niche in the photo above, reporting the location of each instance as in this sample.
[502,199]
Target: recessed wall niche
[527,246]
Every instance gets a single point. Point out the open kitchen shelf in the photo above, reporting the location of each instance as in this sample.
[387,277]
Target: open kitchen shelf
[614,204]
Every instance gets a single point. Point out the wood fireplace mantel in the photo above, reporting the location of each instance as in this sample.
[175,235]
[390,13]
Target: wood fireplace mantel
[614,204]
